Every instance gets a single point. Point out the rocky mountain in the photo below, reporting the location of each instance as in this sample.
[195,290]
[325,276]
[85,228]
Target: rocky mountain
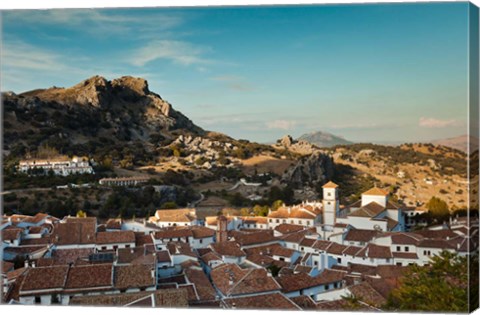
[323,139]
[459,143]
[310,170]
[77,118]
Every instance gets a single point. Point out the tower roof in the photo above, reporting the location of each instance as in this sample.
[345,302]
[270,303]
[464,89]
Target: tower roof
[375,191]
[330,184]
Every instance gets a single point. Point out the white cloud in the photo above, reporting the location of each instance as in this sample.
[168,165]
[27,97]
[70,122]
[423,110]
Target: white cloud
[281,124]
[179,52]
[436,123]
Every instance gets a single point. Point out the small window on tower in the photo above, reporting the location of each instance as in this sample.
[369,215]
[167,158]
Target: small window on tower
[329,194]
[329,203]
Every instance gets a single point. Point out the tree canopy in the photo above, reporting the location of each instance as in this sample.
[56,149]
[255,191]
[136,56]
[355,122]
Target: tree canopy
[440,287]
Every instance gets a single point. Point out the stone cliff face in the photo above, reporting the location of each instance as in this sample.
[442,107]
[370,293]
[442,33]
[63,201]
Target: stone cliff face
[122,109]
[315,168]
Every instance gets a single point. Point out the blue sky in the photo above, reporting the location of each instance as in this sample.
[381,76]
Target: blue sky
[373,72]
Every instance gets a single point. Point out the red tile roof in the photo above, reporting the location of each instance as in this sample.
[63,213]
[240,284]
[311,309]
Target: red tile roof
[375,191]
[228,249]
[176,215]
[204,288]
[89,277]
[133,276]
[232,280]
[115,237]
[264,301]
[359,235]
[330,184]
[44,278]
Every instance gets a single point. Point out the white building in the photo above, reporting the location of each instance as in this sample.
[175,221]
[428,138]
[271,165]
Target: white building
[175,217]
[59,166]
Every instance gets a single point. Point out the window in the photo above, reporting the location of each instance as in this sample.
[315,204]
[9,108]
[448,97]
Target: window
[277,221]
[282,259]
[388,260]
[399,249]
[104,247]
[270,220]
[300,222]
[399,264]
[308,222]
[302,248]
[127,246]
[315,263]
[406,248]
[284,221]
[326,287]
[335,285]
[115,247]
[201,241]
[339,260]
[38,300]
[329,194]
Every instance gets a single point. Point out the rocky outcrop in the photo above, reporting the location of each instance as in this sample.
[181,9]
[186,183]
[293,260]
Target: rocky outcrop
[316,168]
[300,147]
[122,109]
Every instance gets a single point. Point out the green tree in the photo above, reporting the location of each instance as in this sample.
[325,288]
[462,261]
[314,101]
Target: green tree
[169,205]
[440,287]
[437,207]
[276,204]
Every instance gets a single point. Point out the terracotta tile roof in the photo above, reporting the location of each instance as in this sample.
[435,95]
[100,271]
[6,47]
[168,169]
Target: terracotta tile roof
[263,301]
[304,302]
[254,220]
[321,245]
[307,242]
[142,239]
[36,241]
[366,293]
[115,237]
[435,243]
[330,184]
[336,249]
[342,305]
[26,250]
[68,256]
[203,251]
[243,281]
[405,239]
[163,256]
[295,212]
[179,248]
[382,285]
[35,229]
[260,260]
[11,234]
[245,239]
[438,234]
[270,250]
[176,215]
[89,276]
[304,269]
[375,191]
[405,255]
[285,228]
[114,224]
[299,281]
[133,276]
[16,273]
[173,233]
[44,278]
[375,251]
[359,235]
[202,232]
[161,298]
[7,266]
[75,231]
[210,256]
[203,286]
[352,250]
[391,271]
[135,255]
[14,290]
[228,249]
[369,210]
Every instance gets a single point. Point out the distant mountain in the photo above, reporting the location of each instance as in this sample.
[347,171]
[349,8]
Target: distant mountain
[324,139]
[459,143]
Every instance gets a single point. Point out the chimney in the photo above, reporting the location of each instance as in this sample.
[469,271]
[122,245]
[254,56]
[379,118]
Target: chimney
[33,264]
[230,280]
[26,264]
[234,305]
